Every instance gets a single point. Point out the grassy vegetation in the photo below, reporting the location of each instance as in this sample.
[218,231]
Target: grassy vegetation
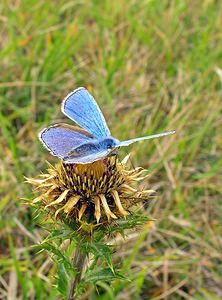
[151,67]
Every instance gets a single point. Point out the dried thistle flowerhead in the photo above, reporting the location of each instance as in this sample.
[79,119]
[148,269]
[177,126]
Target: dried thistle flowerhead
[91,193]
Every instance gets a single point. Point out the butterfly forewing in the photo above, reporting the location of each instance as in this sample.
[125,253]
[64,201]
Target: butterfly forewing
[82,108]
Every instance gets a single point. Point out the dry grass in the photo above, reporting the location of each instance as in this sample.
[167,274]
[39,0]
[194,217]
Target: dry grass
[151,66]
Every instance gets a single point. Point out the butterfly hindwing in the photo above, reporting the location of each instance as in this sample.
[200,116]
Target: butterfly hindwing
[60,139]
[86,159]
[82,108]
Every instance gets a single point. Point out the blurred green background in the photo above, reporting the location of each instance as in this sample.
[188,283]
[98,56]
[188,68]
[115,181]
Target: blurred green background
[151,65]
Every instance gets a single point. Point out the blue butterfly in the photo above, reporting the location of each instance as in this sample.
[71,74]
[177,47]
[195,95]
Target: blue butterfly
[91,142]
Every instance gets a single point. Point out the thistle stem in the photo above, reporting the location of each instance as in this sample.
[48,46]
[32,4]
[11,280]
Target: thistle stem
[78,264]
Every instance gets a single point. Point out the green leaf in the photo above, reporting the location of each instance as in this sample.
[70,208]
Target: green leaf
[108,289]
[104,252]
[56,254]
[60,234]
[102,274]
[62,279]
[130,222]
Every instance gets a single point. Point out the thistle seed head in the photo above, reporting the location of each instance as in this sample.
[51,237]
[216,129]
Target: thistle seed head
[90,193]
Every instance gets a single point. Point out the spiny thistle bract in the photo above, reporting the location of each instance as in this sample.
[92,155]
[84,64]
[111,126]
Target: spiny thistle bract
[90,194]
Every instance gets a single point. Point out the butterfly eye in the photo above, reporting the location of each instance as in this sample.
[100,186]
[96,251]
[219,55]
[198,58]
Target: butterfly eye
[110,143]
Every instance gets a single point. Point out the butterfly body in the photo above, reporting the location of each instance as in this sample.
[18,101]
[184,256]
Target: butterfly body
[91,142]
[92,148]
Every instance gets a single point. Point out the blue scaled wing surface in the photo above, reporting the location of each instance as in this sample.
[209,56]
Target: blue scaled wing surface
[81,107]
[60,139]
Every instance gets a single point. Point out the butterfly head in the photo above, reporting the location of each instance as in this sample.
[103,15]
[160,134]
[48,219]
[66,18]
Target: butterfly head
[109,143]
